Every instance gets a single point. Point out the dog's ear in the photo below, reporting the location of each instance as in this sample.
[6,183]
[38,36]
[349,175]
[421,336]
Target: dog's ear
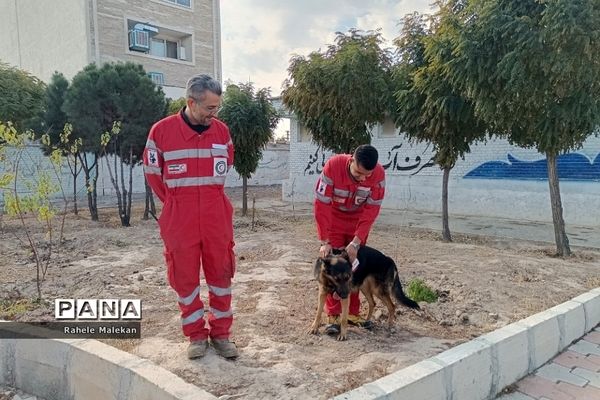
[323,262]
[344,254]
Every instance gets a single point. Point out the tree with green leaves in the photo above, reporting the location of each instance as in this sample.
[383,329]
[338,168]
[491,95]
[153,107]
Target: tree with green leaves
[174,106]
[21,97]
[28,190]
[340,93]
[429,108]
[144,104]
[98,98]
[54,117]
[84,109]
[251,119]
[531,69]
[56,126]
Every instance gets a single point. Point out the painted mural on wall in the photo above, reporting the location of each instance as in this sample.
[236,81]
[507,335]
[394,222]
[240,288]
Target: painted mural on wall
[571,166]
[398,162]
[409,162]
[316,162]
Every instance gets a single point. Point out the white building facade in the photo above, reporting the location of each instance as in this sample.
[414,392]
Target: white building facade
[172,39]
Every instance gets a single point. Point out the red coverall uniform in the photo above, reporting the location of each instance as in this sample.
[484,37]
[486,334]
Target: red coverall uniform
[345,208]
[187,172]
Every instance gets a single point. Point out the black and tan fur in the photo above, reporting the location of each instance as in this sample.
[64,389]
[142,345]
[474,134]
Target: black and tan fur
[375,276]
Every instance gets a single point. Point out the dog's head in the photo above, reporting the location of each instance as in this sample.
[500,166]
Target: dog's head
[335,273]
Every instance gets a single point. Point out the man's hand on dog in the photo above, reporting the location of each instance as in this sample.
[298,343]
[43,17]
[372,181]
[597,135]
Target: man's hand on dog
[352,250]
[325,250]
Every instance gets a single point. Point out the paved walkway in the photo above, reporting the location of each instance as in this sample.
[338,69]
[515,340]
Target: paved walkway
[572,375]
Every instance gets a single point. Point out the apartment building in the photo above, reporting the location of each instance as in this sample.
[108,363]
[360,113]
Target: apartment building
[172,39]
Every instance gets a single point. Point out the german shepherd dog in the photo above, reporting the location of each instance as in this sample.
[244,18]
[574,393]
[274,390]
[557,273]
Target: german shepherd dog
[376,275]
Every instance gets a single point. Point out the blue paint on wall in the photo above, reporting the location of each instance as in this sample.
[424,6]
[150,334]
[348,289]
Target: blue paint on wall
[572,166]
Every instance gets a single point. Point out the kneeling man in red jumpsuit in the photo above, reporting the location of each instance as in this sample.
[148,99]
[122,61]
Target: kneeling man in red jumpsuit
[348,198]
[186,160]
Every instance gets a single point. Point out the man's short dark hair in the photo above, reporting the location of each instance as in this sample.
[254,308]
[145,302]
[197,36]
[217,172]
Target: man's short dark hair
[197,85]
[366,156]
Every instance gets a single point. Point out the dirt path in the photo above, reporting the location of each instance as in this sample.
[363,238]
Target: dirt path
[484,284]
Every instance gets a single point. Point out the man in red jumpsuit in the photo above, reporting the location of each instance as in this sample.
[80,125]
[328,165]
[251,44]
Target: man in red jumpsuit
[349,194]
[186,160]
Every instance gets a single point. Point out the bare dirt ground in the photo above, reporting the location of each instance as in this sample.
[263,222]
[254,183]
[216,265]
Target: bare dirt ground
[484,283]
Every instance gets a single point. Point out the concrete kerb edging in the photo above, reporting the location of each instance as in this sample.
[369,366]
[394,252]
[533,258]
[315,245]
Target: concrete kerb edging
[87,369]
[479,369]
[482,367]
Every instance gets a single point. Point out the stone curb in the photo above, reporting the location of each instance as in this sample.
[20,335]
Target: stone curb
[482,367]
[87,369]
[478,369]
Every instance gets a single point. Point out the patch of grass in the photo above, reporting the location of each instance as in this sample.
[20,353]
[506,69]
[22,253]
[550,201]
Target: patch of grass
[419,291]
[11,308]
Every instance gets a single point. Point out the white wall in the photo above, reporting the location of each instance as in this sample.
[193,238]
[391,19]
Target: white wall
[45,36]
[272,170]
[411,184]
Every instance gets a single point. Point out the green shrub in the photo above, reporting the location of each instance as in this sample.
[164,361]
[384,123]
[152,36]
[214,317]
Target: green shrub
[419,291]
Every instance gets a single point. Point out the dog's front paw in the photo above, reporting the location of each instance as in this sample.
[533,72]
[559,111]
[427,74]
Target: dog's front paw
[313,330]
[341,337]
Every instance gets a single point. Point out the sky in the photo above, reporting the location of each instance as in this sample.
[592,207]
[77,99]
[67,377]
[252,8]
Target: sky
[258,37]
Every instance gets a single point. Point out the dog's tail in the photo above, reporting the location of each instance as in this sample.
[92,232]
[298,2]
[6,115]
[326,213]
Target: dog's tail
[399,293]
[400,296]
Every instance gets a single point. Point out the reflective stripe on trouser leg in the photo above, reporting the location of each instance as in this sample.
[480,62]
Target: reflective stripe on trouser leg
[342,233]
[184,277]
[218,272]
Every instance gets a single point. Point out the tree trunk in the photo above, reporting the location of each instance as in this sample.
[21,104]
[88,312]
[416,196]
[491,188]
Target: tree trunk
[150,206]
[244,196]
[75,174]
[560,235]
[114,180]
[88,190]
[128,208]
[445,226]
[90,183]
[122,192]
[93,200]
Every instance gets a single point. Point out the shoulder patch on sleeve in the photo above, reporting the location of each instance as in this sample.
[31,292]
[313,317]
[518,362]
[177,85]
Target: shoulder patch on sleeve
[152,157]
[322,188]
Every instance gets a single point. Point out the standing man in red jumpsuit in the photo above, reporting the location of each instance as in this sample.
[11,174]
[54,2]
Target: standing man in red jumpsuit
[349,194]
[186,160]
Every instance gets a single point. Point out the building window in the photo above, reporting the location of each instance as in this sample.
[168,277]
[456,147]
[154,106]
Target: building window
[157,77]
[184,3]
[158,41]
[164,48]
